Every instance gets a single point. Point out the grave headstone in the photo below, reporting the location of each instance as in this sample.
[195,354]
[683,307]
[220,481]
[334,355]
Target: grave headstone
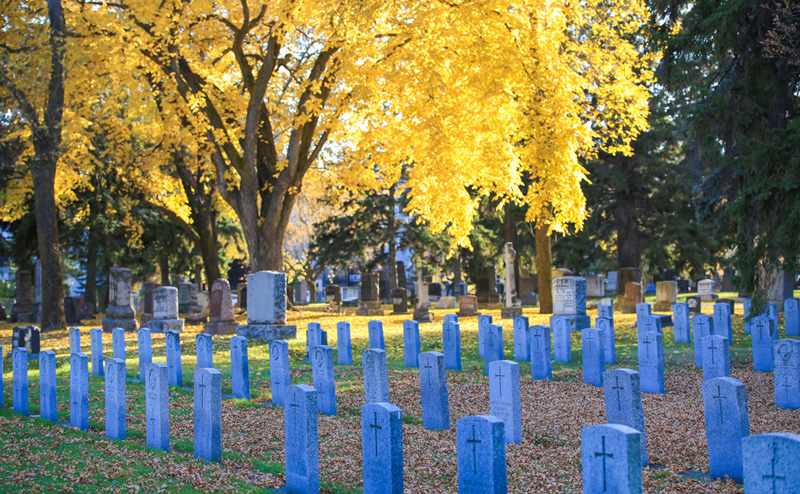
[376,376]
[204,348]
[119,313]
[606,327]
[333,298]
[651,362]
[451,318]
[173,344]
[682,326]
[188,299]
[468,306]
[79,391]
[512,306]
[484,321]
[208,414]
[569,300]
[74,340]
[157,407]
[48,400]
[716,357]
[522,339]
[344,347]
[541,360]
[145,344]
[382,448]
[666,295]
[529,299]
[118,343]
[643,312]
[791,316]
[433,386]
[623,398]
[149,306]
[633,296]
[702,326]
[725,405]
[19,364]
[770,463]
[96,342]
[595,287]
[611,459]
[301,296]
[562,341]
[481,451]
[504,398]
[705,290]
[786,379]
[611,286]
[486,287]
[605,310]
[240,368]
[370,304]
[220,312]
[266,320]
[451,344]
[314,336]
[301,439]
[695,304]
[72,310]
[241,296]
[375,329]
[593,355]
[494,346]
[324,378]
[279,371]
[722,321]
[165,310]
[116,415]
[422,306]
[764,332]
[400,301]
[683,286]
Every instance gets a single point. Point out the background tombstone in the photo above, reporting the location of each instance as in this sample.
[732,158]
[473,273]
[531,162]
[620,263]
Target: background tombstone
[314,336]
[301,439]
[611,459]
[725,405]
[375,329]
[666,295]
[633,296]
[541,360]
[569,300]
[145,344]
[266,320]
[344,347]
[705,290]
[781,286]
[651,362]
[421,308]
[522,339]
[324,378]
[96,342]
[399,301]
[512,306]
[149,307]
[486,288]
[494,346]
[764,332]
[504,398]
[770,463]
[48,399]
[376,376]
[595,287]
[116,375]
[119,313]
[433,388]
[791,316]
[174,364]
[72,310]
[722,320]
[695,305]
[301,293]
[382,448]
[220,312]
[682,326]
[188,299]
[208,414]
[279,371]
[19,357]
[370,303]
[204,348]
[605,310]
[240,368]
[612,277]
[481,452]
[606,327]
[451,343]
[623,398]
[74,340]
[79,391]
[411,343]
[562,340]
[786,378]
[484,321]
[157,407]
[333,298]
[165,311]
[241,296]
[716,357]
[468,306]
[118,343]
[593,355]
[702,326]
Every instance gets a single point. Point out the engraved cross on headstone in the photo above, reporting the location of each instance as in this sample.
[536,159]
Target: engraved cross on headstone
[773,476]
[617,387]
[376,428]
[761,328]
[202,386]
[430,372]
[500,377]
[647,341]
[719,397]
[537,335]
[712,348]
[604,455]
[474,442]
[651,324]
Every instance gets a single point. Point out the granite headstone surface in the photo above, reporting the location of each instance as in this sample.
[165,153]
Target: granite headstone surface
[382,448]
[623,399]
[433,388]
[481,452]
[725,405]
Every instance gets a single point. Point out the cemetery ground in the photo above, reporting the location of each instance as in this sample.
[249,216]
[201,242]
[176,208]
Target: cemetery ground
[38,456]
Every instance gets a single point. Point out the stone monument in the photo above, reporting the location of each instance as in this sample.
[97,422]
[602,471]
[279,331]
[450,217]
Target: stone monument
[266,316]
[569,300]
[370,304]
[220,314]
[512,308]
[119,313]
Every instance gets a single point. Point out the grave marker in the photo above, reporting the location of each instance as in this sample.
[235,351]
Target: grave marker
[504,398]
[666,295]
[74,340]
[562,340]
[623,398]
[786,378]
[451,339]
[173,343]
[165,310]
[481,452]
[96,337]
[19,366]
[279,371]
[541,360]
[208,414]
[157,407]
[376,375]
[48,399]
[593,355]
[682,326]
[606,327]
[484,321]
[375,329]
[79,391]
[240,368]
[433,386]
[324,378]
[494,346]
[722,320]
[569,300]
[770,463]
[344,348]
[725,405]
[118,343]
[650,324]
[220,313]
[116,375]
[605,310]
[315,336]
[651,362]
[705,289]
[382,448]
[702,326]
[611,459]
[119,313]
[643,312]
[145,344]
[791,316]
[522,339]
[716,357]
[204,348]
[301,439]
[266,319]
[764,332]
[411,343]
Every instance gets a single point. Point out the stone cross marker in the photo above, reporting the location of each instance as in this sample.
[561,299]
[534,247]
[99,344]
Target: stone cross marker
[116,375]
[79,391]
[145,344]
[411,343]
[344,347]
[324,378]
[204,348]
[279,371]
[481,451]
[562,340]
[240,368]
[682,325]
[376,375]
[301,439]
[484,322]
[157,407]
[716,357]
[791,316]
[593,356]
[19,357]
[118,343]
[74,340]
[725,405]
[451,343]
[770,463]
[382,448]
[48,399]
[650,324]
[763,332]
[433,387]
[651,362]
[165,310]
[173,343]
[522,339]
[208,414]
[541,360]
[494,346]
[786,379]
[611,459]
[623,397]
[504,398]
[606,327]
[702,326]
[722,320]
[375,329]
[96,342]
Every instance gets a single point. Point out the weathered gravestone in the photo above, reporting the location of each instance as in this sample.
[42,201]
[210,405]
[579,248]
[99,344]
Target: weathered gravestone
[633,296]
[72,310]
[651,362]
[722,321]
[145,344]
[324,378]
[119,313]
[468,306]
[74,340]
[220,313]
[333,298]
[149,305]
[666,295]
[433,387]
[695,304]
[301,440]
[682,325]
[400,301]
[208,414]
[486,288]
[541,360]
[770,463]
[19,364]
[512,307]
[376,376]
[240,368]
[725,405]
[382,448]
[157,407]
[481,451]
[96,343]
[279,371]
[702,326]
[422,311]
[605,310]
[79,391]
[204,349]
[411,343]
[791,316]
[611,459]
[716,357]
[595,287]
[623,398]
[344,347]
[266,315]
[301,295]
[562,341]
[118,343]
[370,304]
[484,321]
[116,374]
[606,327]
[165,310]
[188,299]
[705,290]
[241,296]
[781,287]
[764,332]
[522,339]
[451,343]
[314,336]
[569,300]
[375,330]
[494,346]
[504,398]
[593,355]
[611,286]
[175,369]
[786,379]
[48,399]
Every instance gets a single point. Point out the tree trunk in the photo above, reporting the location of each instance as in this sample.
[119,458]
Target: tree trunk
[627,225]
[544,265]
[163,266]
[90,293]
[457,268]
